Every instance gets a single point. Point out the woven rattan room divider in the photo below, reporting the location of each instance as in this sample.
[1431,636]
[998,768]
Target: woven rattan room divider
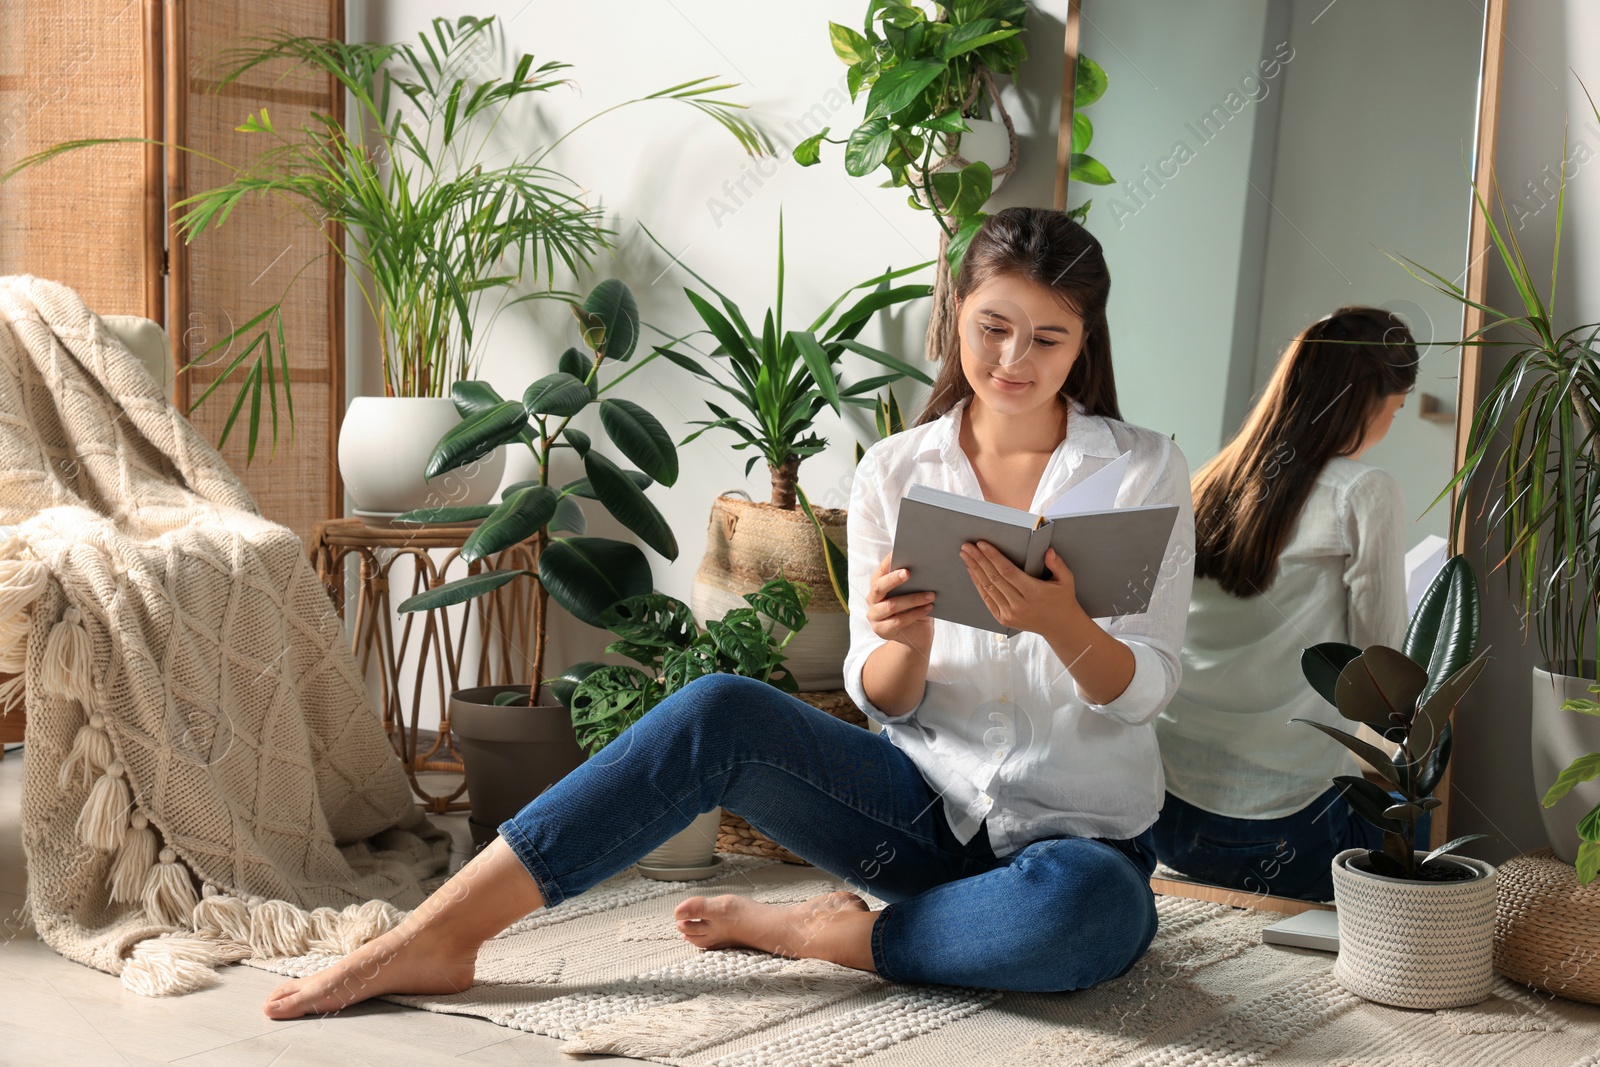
[99,221]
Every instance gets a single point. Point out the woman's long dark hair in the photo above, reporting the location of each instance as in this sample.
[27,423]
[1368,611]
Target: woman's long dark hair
[1330,382]
[1047,247]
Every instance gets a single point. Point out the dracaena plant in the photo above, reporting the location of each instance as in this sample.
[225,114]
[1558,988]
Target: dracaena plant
[1582,769]
[783,378]
[585,575]
[1406,697]
[660,633]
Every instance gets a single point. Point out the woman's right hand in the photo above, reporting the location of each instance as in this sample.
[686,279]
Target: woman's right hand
[905,618]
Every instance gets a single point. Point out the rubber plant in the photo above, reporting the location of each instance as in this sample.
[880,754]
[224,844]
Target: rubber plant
[1582,769]
[783,378]
[437,213]
[659,632]
[585,575]
[1406,697]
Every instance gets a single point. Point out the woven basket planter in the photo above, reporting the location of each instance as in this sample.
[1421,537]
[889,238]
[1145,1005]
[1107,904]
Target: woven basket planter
[736,835]
[1415,944]
[1547,927]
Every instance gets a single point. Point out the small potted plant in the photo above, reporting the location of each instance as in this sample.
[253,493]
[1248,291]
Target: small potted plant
[782,378]
[516,737]
[659,632]
[1416,930]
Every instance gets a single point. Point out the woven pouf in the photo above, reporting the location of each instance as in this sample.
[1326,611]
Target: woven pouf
[736,835]
[1414,944]
[1547,927]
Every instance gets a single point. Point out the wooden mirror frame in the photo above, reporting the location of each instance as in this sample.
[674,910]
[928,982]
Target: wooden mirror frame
[1474,285]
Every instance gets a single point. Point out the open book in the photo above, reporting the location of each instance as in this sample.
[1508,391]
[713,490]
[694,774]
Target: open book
[1114,553]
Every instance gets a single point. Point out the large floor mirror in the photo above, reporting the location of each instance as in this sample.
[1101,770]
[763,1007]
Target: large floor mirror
[1270,156]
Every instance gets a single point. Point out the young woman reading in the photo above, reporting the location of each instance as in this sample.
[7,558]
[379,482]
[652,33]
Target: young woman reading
[1004,813]
[1297,542]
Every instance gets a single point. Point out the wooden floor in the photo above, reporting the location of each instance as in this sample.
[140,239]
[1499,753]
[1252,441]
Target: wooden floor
[55,1012]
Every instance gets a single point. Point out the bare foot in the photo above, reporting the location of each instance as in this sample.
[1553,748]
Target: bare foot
[404,960]
[819,928]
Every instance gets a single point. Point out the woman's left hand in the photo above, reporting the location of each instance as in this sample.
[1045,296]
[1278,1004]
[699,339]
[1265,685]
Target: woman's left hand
[1040,605]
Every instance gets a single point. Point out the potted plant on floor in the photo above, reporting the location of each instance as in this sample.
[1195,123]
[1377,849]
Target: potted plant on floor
[516,739]
[441,224]
[1415,930]
[782,379]
[660,633]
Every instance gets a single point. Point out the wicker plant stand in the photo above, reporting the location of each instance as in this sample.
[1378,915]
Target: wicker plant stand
[736,835]
[1547,927]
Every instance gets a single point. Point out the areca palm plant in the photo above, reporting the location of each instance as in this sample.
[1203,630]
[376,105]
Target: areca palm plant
[436,221]
[783,378]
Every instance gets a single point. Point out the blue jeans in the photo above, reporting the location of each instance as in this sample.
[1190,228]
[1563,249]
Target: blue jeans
[1061,913]
[1290,856]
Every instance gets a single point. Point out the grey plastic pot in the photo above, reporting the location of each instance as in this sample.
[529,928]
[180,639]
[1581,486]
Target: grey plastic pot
[511,754]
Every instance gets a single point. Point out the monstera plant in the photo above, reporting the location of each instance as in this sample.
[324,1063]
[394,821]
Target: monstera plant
[585,575]
[1406,697]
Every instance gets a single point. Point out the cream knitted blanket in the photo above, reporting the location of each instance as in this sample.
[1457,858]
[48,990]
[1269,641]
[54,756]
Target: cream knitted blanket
[204,779]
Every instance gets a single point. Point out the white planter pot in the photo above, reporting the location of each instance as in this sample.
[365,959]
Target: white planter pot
[384,444]
[1559,737]
[694,846]
[1415,944]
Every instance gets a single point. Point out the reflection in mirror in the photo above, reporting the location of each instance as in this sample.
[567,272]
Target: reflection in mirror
[1273,155]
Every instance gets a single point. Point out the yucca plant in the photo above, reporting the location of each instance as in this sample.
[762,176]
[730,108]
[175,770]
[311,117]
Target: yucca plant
[1405,696]
[660,633]
[437,217]
[585,575]
[1544,408]
[1584,768]
[783,378]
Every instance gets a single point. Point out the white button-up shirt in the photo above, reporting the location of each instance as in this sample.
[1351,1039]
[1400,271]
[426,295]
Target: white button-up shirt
[1226,737]
[1003,733]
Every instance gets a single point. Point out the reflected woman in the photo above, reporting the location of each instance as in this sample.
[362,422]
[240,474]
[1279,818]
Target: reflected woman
[1296,542]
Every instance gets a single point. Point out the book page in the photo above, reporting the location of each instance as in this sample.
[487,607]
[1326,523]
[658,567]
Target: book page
[1098,492]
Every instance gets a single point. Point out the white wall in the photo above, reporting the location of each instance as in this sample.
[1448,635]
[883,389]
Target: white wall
[666,166]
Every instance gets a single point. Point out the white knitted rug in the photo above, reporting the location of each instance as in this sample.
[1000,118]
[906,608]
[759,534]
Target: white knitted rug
[205,778]
[608,972]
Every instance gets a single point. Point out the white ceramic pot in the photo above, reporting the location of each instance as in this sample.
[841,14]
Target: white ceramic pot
[384,444]
[1415,944]
[986,141]
[693,846]
[1559,737]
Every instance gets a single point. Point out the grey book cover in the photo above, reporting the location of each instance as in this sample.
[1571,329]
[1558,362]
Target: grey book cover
[1115,555]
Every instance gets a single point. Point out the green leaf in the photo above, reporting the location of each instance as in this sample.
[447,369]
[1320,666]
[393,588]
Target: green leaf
[556,394]
[519,517]
[653,619]
[834,556]
[1443,634]
[1322,663]
[1582,769]
[867,147]
[1091,82]
[640,437]
[1380,687]
[569,516]
[1588,862]
[1452,845]
[1089,170]
[1082,132]
[455,513]
[809,152]
[783,601]
[949,122]
[578,365]
[740,637]
[627,503]
[974,35]
[476,437]
[818,363]
[1380,761]
[958,243]
[586,575]
[577,440]
[1589,825]
[471,397]
[898,86]
[608,701]
[1433,766]
[581,486]
[1436,709]
[610,320]
[849,45]
[562,685]
[460,590]
[1368,801]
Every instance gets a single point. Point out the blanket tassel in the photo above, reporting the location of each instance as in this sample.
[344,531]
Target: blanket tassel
[103,822]
[66,670]
[134,861]
[169,896]
[91,754]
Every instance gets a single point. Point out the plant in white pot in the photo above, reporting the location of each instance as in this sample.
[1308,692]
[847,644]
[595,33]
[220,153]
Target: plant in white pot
[440,223]
[1543,412]
[1416,930]
[659,632]
[782,378]
[515,739]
